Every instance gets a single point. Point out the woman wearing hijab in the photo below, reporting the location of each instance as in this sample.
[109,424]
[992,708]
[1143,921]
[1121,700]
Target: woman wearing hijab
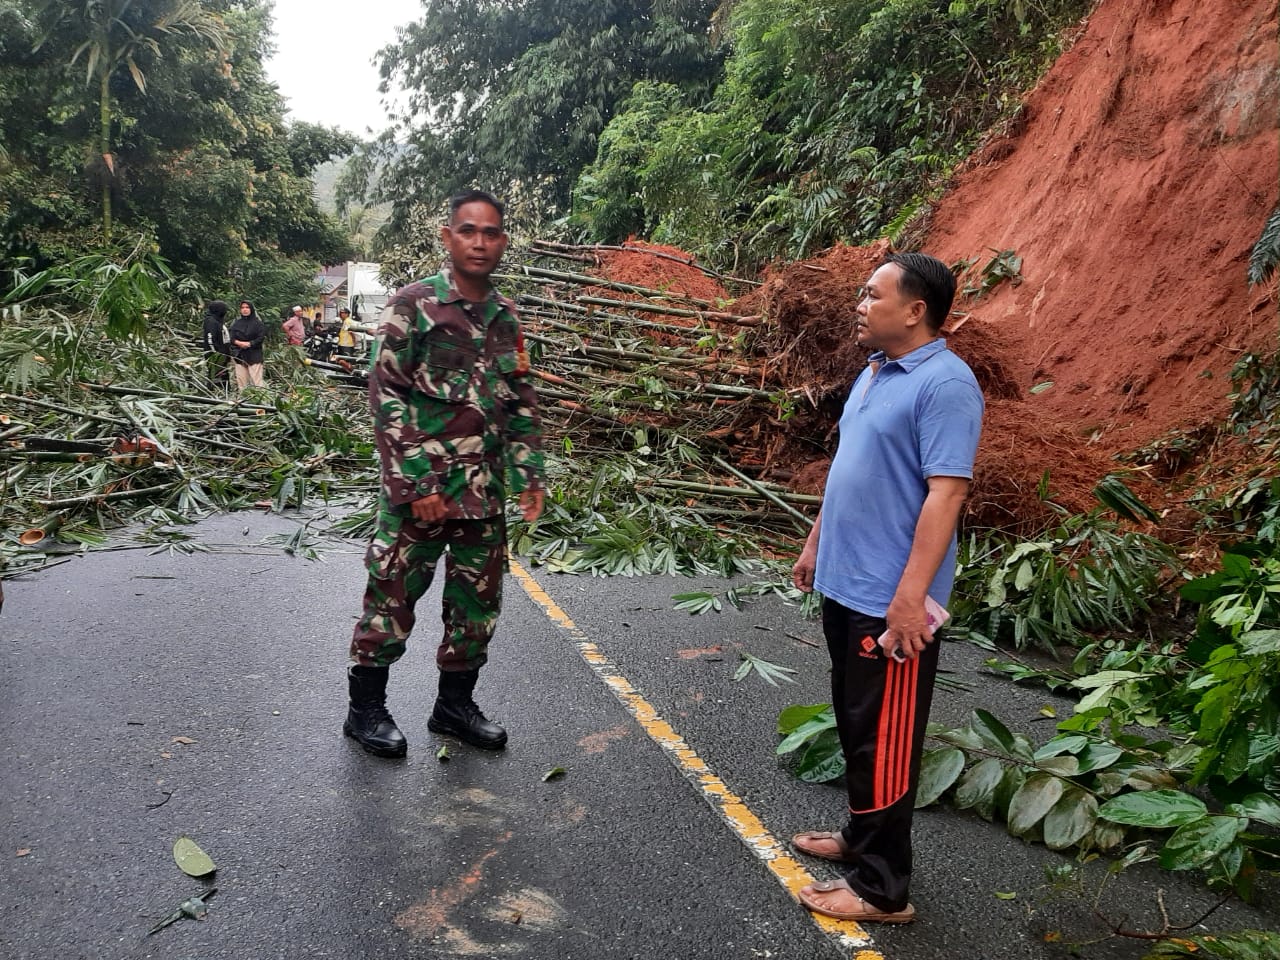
[247,333]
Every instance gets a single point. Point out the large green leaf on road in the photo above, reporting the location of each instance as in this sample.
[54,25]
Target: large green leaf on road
[938,771]
[1071,818]
[1263,808]
[1196,844]
[823,761]
[978,786]
[1033,801]
[1158,808]
[791,718]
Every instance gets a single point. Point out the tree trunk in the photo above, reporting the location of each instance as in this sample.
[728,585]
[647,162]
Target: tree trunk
[104,121]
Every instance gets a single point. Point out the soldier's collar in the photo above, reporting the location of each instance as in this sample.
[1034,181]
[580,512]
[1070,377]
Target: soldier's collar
[451,294]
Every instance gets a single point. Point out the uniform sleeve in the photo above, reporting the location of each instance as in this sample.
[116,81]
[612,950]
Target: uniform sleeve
[407,473]
[523,440]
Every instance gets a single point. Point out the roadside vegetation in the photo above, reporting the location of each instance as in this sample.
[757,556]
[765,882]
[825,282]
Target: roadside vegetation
[145,168]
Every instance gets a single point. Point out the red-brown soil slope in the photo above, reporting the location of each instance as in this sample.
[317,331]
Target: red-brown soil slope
[1133,186]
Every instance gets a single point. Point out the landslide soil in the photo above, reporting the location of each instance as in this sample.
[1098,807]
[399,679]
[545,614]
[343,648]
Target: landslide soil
[1132,184]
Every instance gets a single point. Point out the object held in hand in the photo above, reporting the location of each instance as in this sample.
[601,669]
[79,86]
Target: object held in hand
[936,615]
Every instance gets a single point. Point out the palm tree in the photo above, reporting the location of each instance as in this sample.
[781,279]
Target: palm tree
[112,34]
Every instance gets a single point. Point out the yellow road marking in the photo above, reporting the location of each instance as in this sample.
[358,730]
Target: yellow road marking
[788,871]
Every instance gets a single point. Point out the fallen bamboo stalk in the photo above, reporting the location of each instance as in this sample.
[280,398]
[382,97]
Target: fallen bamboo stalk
[552,245]
[578,310]
[587,280]
[772,497]
[193,398]
[749,493]
[715,316]
[58,408]
[51,524]
[51,456]
[102,497]
[214,442]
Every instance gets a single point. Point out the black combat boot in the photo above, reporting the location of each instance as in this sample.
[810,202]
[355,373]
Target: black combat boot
[457,714]
[367,718]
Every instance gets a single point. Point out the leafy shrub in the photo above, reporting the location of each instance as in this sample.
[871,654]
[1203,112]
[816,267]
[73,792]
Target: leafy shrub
[1084,576]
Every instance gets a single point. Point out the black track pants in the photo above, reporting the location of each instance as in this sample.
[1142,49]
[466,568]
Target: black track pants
[881,709]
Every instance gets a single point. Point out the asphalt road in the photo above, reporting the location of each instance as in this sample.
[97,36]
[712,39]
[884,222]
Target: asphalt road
[147,696]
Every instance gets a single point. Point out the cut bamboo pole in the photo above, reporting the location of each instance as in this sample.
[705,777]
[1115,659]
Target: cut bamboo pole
[89,498]
[750,493]
[58,408]
[552,246]
[805,522]
[587,280]
[193,398]
[715,316]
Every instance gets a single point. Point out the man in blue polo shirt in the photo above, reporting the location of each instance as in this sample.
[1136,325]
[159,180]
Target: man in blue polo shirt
[884,542]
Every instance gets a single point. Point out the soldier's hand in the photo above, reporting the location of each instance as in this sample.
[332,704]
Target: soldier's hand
[429,509]
[531,505]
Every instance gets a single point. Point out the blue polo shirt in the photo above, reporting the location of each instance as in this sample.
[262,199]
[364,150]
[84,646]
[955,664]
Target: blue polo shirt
[912,418]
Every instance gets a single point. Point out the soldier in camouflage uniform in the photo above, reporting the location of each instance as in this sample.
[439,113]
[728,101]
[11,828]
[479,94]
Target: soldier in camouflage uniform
[456,419]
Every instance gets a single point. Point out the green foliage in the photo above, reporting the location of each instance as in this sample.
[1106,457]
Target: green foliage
[505,94]
[831,117]
[1255,400]
[119,293]
[1238,945]
[812,727]
[1088,792]
[768,671]
[1083,576]
[1235,688]
[199,157]
[1265,256]
[1005,265]
[613,523]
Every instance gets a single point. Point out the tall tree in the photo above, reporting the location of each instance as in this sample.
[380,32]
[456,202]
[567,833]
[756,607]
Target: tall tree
[205,167]
[504,93]
[116,34]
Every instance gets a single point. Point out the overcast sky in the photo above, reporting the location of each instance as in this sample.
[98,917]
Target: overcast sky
[323,62]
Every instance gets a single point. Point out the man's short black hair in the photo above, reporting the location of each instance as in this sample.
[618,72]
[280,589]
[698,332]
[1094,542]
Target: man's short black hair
[460,200]
[926,278]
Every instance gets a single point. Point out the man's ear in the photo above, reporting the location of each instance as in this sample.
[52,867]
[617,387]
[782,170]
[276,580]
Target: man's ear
[917,312]
[444,234]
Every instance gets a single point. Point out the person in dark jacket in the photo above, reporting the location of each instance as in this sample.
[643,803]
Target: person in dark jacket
[247,333]
[217,345]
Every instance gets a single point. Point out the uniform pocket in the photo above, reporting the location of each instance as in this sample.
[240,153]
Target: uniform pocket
[449,361]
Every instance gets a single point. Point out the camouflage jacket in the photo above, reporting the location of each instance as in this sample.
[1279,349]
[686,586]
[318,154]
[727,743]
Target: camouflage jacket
[453,409]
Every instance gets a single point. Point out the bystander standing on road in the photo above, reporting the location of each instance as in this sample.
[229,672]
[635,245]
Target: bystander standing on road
[884,542]
[295,328]
[216,341]
[247,334]
[456,422]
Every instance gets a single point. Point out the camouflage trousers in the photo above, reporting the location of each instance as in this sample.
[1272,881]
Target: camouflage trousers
[401,561]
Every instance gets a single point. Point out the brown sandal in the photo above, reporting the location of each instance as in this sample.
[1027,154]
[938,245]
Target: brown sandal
[804,843]
[866,913]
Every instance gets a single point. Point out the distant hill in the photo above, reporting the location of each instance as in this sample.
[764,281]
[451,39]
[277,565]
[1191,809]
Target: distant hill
[362,222]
